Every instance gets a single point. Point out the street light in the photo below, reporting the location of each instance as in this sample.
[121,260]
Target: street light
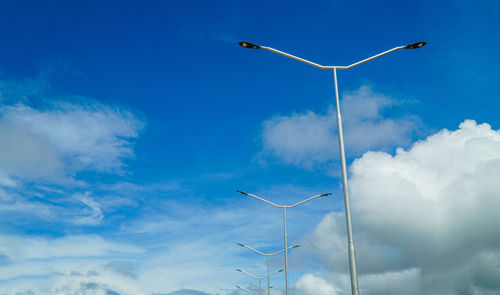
[259,278]
[352,256]
[268,262]
[284,219]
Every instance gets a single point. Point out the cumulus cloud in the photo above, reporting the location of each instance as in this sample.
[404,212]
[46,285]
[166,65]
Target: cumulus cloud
[309,139]
[309,284]
[425,218]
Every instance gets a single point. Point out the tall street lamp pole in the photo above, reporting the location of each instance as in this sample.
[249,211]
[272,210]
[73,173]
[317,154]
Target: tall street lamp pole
[268,261]
[258,278]
[284,223]
[352,256]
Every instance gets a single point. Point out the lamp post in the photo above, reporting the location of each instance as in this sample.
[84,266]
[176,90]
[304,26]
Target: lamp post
[284,207]
[268,261]
[259,278]
[352,256]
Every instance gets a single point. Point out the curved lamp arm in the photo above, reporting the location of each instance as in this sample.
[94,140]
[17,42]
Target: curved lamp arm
[259,198]
[265,254]
[307,200]
[273,273]
[245,289]
[296,246]
[255,46]
[256,277]
[278,206]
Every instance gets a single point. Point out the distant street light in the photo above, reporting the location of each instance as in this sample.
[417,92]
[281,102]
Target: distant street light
[259,278]
[352,256]
[268,262]
[284,222]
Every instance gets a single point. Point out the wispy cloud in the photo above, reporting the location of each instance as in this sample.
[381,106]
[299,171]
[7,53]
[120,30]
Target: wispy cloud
[88,136]
[94,217]
[65,265]
[309,139]
[46,141]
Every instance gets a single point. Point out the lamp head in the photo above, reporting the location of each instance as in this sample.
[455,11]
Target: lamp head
[243,193]
[240,244]
[239,270]
[415,45]
[249,45]
[296,246]
[325,195]
[281,270]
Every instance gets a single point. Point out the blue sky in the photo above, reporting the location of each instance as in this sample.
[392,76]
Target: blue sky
[126,128]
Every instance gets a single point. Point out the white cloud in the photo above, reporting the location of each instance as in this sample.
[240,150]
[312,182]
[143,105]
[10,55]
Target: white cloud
[309,284]
[45,143]
[15,248]
[309,139]
[69,265]
[94,217]
[427,216]
[26,156]
[87,136]
[300,139]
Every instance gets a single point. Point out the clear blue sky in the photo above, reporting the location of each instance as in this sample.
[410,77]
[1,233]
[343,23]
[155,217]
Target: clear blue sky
[128,126]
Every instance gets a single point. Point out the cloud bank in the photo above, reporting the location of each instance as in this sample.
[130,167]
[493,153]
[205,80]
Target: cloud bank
[425,219]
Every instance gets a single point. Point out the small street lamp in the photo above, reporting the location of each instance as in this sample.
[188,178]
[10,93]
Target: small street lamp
[268,262]
[284,222]
[258,278]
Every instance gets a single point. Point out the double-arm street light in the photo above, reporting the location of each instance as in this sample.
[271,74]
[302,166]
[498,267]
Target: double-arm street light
[284,222]
[352,256]
[258,278]
[268,262]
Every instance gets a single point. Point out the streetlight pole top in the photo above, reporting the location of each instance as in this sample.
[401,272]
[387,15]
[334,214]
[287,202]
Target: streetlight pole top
[243,193]
[249,45]
[415,45]
[325,195]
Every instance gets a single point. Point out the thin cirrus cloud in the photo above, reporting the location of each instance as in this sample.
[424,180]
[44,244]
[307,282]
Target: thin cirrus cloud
[309,139]
[425,218]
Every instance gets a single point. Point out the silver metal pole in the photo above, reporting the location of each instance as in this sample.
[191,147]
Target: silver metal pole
[352,255]
[268,275]
[286,253]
